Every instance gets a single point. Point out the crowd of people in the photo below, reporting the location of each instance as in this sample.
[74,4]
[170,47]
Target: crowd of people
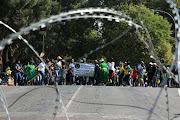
[122,74]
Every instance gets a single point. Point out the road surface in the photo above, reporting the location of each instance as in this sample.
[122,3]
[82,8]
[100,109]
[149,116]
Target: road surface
[89,103]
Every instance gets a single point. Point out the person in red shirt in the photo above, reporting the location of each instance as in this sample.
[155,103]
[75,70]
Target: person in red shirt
[134,76]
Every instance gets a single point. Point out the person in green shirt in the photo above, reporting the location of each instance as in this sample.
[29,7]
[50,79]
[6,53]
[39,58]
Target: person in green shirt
[103,75]
[30,72]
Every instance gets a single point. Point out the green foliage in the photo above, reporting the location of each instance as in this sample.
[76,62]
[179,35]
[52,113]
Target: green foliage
[77,37]
[158,27]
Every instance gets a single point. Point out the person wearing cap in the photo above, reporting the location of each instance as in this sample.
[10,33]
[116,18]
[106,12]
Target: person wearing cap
[127,72]
[8,71]
[57,69]
[103,75]
[150,74]
[8,75]
[141,68]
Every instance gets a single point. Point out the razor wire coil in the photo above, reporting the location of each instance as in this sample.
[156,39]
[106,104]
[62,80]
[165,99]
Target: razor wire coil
[86,14]
[76,14]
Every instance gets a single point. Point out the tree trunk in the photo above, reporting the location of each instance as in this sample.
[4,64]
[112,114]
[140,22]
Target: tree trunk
[8,57]
[4,58]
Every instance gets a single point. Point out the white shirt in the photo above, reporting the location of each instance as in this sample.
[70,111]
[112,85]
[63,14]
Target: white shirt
[59,64]
[71,65]
[111,66]
[141,69]
[42,66]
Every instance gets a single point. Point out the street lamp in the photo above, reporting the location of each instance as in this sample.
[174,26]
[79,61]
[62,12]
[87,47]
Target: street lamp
[176,41]
[170,16]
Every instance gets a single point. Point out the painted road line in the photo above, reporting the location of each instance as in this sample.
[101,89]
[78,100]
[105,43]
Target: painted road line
[69,103]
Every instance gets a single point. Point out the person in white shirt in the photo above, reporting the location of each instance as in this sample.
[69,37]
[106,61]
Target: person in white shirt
[42,67]
[111,69]
[141,72]
[72,71]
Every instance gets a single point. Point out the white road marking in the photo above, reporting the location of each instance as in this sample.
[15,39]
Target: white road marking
[69,103]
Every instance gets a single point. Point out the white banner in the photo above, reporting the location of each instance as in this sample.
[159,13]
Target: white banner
[84,69]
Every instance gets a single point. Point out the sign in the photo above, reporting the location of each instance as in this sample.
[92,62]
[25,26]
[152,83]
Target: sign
[84,69]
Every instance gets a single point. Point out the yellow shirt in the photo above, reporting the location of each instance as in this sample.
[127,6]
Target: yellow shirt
[126,70]
[121,69]
[8,72]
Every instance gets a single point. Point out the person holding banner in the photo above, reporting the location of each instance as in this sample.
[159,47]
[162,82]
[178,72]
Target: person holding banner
[72,72]
[87,77]
[81,78]
[103,76]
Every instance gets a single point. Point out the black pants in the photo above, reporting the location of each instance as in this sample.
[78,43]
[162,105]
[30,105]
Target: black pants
[150,80]
[120,79]
[126,79]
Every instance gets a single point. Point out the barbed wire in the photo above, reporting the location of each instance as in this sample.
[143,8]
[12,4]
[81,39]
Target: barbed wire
[154,56]
[77,14]
[153,53]
[175,11]
[167,102]
[111,104]
[58,18]
[103,46]
[82,102]
[5,105]
[59,98]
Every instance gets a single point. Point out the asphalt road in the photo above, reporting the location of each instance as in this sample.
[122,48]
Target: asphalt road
[89,103]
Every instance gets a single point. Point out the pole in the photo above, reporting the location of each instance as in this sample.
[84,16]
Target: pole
[177,45]
[172,19]
[43,45]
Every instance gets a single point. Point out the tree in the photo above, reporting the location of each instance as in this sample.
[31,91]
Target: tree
[19,13]
[77,37]
[159,28]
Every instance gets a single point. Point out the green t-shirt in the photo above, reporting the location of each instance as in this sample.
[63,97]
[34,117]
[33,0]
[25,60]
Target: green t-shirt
[103,65]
